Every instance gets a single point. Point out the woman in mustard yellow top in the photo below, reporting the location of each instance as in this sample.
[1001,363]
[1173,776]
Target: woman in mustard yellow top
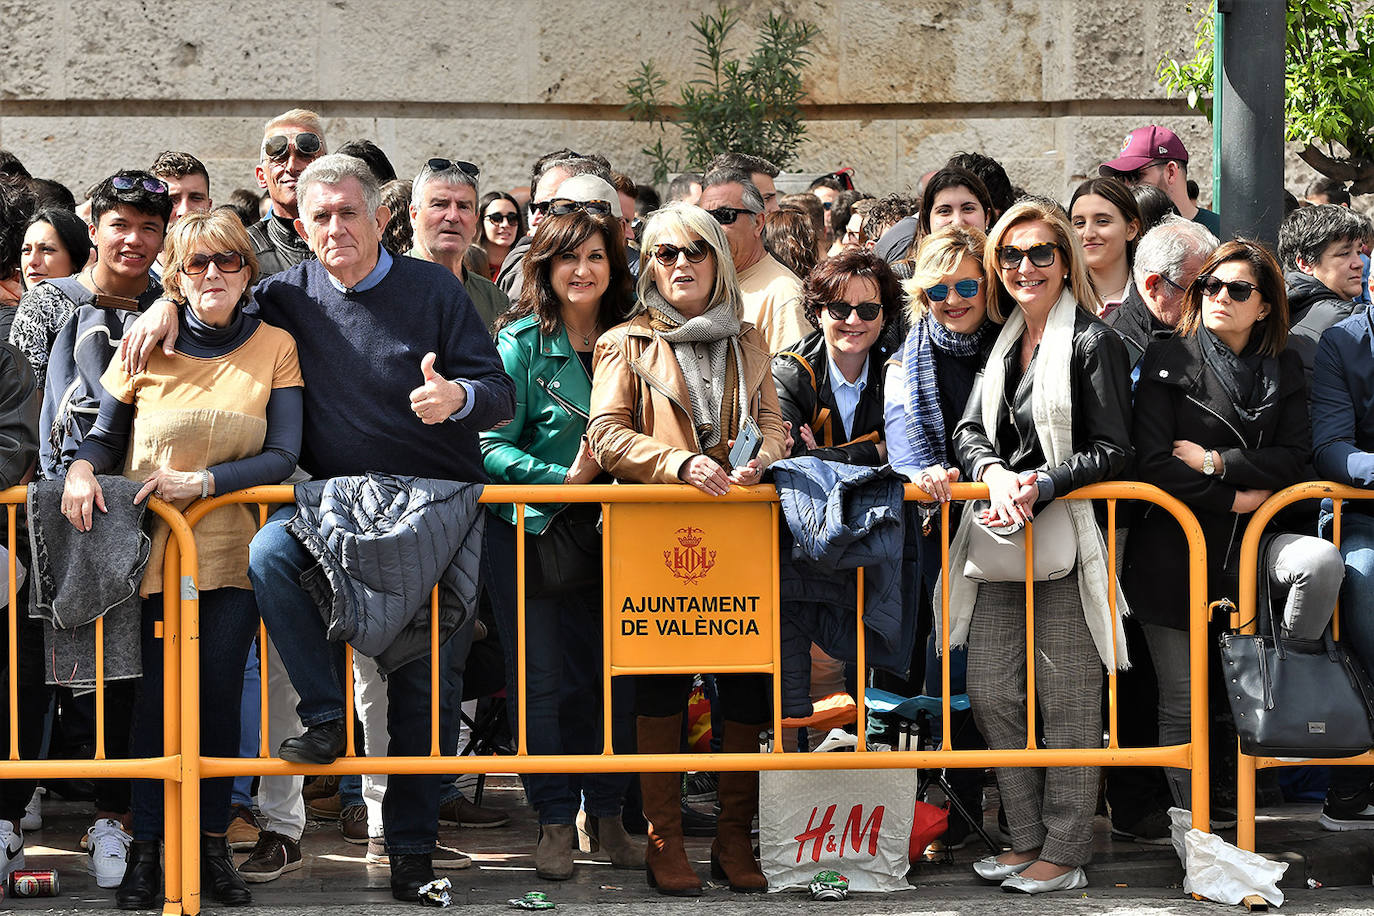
[221,413]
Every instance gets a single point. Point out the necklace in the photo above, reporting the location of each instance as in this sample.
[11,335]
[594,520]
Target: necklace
[586,337]
[90,272]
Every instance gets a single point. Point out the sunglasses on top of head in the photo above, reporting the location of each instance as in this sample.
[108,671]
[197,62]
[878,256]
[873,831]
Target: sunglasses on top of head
[1009,257]
[667,254]
[129,183]
[1238,290]
[594,207]
[443,165]
[966,289]
[306,143]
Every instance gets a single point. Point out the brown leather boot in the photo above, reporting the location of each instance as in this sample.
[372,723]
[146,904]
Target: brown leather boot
[732,853]
[669,870]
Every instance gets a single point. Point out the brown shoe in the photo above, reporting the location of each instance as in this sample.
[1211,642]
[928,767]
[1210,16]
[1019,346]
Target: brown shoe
[242,834]
[553,857]
[322,787]
[353,824]
[608,834]
[326,809]
[271,858]
[462,813]
[732,852]
[666,858]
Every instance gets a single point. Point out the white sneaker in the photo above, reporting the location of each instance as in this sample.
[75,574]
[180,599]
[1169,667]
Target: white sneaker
[11,848]
[33,811]
[108,846]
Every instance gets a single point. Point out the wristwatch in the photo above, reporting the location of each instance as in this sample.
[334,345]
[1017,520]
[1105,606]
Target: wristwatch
[1208,466]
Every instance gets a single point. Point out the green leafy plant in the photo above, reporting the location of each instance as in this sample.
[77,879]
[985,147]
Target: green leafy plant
[1328,74]
[751,106]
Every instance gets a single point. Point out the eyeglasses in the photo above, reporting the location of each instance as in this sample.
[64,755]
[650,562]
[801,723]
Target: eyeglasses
[1009,257]
[510,219]
[1166,279]
[128,183]
[278,146]
[444,165]
[1136,176]
[666,254]
[966,289]
[1238,290]
[594,207]
[867,310]
[726,216]
[228,262]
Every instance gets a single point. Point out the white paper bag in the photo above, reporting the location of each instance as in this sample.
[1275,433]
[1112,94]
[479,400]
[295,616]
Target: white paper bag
[1217,870]
[857,822]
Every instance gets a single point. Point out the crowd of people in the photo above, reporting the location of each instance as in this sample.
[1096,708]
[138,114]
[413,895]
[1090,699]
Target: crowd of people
[388,343]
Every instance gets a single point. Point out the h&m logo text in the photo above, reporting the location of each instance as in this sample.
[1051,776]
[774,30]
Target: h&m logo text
[822,836]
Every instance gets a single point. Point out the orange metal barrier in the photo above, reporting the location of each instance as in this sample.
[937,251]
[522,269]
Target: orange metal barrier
[182,772]
[179,568]
[1244,617]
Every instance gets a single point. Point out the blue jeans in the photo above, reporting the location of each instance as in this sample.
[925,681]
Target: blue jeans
[563,682]
[250,726]
[1357,613]
[228,621]
[410,810]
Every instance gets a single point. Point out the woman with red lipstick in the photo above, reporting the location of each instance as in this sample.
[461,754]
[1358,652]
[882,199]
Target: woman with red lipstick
[1107,221]
[830,388]
[1049,413]
[576,284]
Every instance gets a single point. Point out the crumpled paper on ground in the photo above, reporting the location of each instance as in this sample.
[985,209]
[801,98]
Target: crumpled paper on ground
[436,893]
[1217,870]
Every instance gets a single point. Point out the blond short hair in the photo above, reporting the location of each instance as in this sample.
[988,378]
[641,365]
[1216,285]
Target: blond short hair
[219,231]
[1026,210]
[938,256]
[678,222]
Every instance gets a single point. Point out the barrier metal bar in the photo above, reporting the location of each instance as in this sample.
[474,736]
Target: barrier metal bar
[1245,619]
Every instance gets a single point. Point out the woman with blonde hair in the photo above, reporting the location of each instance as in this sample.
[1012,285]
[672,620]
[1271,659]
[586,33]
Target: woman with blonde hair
[1049,413]
[670,391]
[221,413]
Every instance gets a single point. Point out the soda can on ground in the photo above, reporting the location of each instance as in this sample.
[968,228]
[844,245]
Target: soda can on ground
[36,883]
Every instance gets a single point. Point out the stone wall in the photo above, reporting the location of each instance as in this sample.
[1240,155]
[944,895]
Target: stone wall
[1049,87]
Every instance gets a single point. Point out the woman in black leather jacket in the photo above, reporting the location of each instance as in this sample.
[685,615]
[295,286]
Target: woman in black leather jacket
[1221,422]
[830,387]
[1049,413]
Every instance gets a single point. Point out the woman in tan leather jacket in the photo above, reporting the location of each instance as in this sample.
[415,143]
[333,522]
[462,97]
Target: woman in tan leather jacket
[670,389]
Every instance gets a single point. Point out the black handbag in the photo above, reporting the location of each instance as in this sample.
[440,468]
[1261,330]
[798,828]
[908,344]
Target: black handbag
[1296,697]
[567,556]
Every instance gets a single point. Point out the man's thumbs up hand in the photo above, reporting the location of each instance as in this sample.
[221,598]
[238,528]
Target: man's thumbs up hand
[437,399]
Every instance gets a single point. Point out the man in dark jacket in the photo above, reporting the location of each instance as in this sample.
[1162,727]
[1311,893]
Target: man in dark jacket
[290,142]
[1320,250]
[550,171]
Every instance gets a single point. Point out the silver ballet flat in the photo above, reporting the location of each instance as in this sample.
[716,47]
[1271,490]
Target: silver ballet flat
[990,869]
[1069,881]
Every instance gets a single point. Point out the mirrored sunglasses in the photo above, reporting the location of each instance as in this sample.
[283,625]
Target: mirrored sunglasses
[966,289]
[278,146]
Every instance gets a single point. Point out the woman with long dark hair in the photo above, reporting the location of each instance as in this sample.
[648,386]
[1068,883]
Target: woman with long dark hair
[1107,221]
[502,225]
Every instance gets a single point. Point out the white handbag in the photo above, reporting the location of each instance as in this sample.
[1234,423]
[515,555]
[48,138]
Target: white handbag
[997,557]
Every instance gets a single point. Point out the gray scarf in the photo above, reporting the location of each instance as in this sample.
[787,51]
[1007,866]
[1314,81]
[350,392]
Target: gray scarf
[719,328]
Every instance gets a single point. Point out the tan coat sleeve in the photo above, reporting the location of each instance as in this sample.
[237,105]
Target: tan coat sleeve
[620,449]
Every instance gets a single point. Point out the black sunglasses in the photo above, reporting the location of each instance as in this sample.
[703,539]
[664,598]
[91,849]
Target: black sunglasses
[1238,290]
[867,310]
[666,254]
[727,215]
[228,262]
[511,219]
[278,146]
[443,165]
[966,289]
[128,183]
[1136,176]
[1009,257]
[594,207]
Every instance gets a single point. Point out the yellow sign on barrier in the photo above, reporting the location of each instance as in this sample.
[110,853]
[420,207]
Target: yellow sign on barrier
[691,588]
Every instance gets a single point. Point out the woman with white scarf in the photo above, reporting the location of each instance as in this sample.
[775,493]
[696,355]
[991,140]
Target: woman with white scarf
[1049,413]
[670,389]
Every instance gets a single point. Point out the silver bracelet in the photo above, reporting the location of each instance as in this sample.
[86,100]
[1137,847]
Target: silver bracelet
[205,484]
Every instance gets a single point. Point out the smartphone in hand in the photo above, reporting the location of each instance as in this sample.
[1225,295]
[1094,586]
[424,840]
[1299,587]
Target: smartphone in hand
[748,443]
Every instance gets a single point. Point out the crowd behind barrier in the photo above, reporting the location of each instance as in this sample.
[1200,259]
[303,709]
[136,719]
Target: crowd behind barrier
[937,386]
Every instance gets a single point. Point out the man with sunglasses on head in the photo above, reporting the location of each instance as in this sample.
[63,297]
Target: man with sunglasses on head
[1155,155]
[772,294]
[290,142]
[550,171]
[443,218]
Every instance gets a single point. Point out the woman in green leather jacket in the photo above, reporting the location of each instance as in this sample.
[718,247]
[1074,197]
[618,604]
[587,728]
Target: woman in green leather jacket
[576,285]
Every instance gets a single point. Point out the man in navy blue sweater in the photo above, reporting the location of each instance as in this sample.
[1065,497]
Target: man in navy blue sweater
[400,377]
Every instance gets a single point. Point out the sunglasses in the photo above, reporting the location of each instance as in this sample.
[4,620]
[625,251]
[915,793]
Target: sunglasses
[867,310]
[228,262]
[666,254]
[1136,176]
[1238,290]
[966,289]
[443,165]
[1009,257]
[278,146]
[127,183]
[510,219]
[594,207]
[726,216]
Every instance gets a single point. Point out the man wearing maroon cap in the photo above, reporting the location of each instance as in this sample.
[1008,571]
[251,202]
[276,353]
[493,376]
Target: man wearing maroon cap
[1155,155]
